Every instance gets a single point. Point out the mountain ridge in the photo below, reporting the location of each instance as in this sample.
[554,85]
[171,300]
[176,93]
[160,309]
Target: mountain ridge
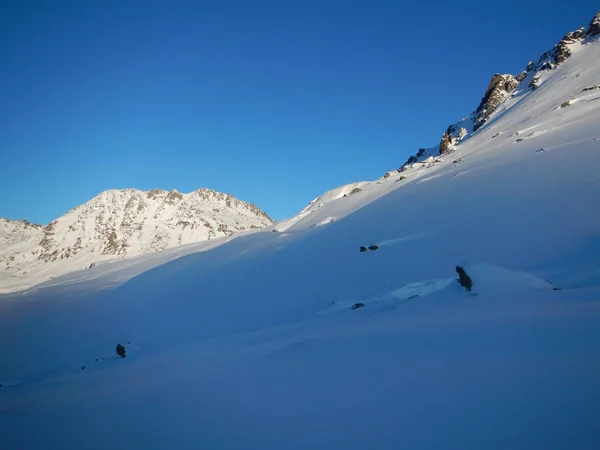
[122,222]
[501,87]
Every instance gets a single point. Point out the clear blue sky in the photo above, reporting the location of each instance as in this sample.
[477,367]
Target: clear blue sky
[274,102]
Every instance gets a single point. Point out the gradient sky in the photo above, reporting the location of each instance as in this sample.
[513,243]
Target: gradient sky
[274,102]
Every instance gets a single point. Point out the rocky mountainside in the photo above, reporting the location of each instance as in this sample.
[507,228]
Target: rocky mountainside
[504,86]
[120,223]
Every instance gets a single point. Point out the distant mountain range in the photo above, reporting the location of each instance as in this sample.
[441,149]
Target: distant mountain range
[119,223]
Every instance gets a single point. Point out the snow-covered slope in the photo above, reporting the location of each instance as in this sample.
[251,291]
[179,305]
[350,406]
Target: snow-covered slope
[297,339]
[503,87]
[118,223]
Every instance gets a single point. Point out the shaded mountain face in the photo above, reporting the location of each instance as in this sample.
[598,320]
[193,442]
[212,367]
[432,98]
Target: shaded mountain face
[119,223]
[504,86]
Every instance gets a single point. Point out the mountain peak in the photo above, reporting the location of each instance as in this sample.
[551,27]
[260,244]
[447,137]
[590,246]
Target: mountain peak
[122,222]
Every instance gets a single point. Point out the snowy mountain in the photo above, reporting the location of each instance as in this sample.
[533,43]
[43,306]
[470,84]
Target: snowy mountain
[501,88]
[118,223]
[301,339]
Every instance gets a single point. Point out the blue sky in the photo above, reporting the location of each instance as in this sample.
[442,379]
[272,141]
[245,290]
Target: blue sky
[274,102]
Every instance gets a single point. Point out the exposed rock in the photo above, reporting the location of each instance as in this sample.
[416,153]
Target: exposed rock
[591,88]
[594,27]
[496,135]
[409,161]
[173,197]
[464,279]
[373,247]
[562,51]
[154,193]
[357,305]
[501,87]
[498,89]
[521,76]
[363,248]
[121,351]
[446,143]
[530,66]
[356,190]
[114,246]
[535,82]
[565,104]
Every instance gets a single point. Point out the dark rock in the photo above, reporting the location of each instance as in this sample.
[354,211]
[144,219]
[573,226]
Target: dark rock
[521,76]
[499,87]
[355,191]
[562,53]
[357,305]
[594,28]
[496,135]
[530,66]
[565,104]
[363,248]
[457,161]
[519,140]
[446,142]
[464,279]
[82,367]
[373,247]
[409,161]
[591,88]
[121,351]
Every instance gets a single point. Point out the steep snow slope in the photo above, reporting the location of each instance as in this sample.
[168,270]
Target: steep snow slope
[505,86]
[118,223]
[254,343]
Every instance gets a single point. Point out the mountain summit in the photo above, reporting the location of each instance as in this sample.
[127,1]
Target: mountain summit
[119,223]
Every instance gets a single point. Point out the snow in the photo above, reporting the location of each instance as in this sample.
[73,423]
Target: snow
[143,222]
[252,342]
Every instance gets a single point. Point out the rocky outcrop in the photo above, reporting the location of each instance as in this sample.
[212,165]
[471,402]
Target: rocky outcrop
[498,90]
[502,87]
[445,143]
[594,27]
